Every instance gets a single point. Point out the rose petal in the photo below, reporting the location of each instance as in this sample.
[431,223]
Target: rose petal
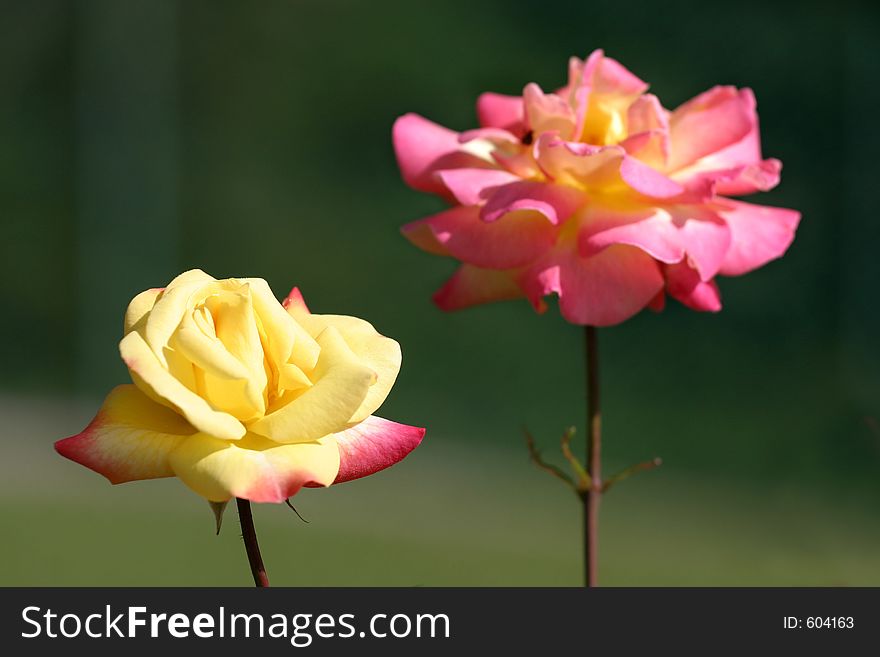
[555,202]
[650,229]
[602,290]
[129,439]
[342,381]
[494,136]
[576,164]
[646,114]
[139,308]
[373,445]
[515,239]
[602,168]
[612,77]
[500,111]
[379,353]
[160,385]
[706,124]
[759,234]
[601,89]
[423,147]
[295,299]
[647,180]
[286,340]
[420,234]
[705,236]
[658,303]
[548,112]
[736,181]
[169,308]
[651,147]
[683,283]
[738,168]
[470,286]
[474,186]
[253,468]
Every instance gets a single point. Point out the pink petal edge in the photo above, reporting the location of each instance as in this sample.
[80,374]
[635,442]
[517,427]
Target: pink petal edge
[373,445]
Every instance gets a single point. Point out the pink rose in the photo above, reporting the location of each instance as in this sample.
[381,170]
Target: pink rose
[596,193]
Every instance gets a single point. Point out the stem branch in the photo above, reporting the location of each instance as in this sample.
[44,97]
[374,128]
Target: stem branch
[549,468]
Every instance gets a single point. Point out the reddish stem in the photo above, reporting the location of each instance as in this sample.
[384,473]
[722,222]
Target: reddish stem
[592,497]
[249,534]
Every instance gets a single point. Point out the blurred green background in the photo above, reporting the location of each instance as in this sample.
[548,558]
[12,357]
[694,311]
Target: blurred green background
[143,138]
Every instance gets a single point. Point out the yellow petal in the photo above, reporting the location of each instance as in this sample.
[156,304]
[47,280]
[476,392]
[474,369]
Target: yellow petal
[156,382]
[253,468]
[288,341]
[377,352]
[188,277]
[341,383]
[166,315]
[139,307]
[235,325]
[129,439]
[292,378]
[206,352]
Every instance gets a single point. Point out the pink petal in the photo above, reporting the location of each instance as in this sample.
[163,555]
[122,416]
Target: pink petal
[514,240]
[647,180]
[738,168]
[374,445]
[602,290]
[748,149]
[584,165]
[578,164]
[470,286]
[419,234]
[601,75]
[736,181]
[500,111]
[494,135]
[612,77]
[759,234]
[705,236]
[474,186]
[658,303]
[580,84]
[650,229]
[295,298]
[547,112]
[714,120]
[748,179]
[648,126]
[129,439]
[556,202]
[520,163]
[645,114]
[683,283]
[422,147]
[650,147]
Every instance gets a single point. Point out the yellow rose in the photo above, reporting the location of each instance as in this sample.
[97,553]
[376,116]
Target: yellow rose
[241,396]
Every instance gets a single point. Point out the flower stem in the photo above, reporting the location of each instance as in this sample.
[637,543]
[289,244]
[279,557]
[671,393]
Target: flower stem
[592,496]
[249,534]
